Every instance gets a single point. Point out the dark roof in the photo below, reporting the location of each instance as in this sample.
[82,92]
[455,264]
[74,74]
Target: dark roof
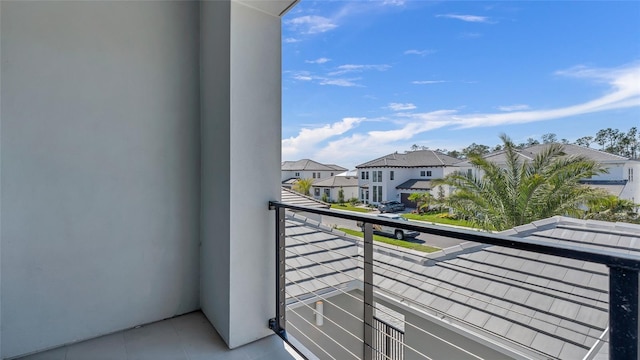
[309,165]
[420,158]
[416,184]
[543,305]
[613,187]
[294,198]
[338,181]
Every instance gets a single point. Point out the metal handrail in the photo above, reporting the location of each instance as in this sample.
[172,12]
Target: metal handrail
[623,274]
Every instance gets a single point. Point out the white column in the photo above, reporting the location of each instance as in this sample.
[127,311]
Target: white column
[240,141]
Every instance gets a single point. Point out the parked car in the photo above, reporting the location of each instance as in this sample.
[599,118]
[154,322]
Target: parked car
[399,234]
[390,206]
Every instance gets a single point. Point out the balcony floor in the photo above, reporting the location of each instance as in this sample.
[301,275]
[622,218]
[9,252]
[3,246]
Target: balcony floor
[188,337]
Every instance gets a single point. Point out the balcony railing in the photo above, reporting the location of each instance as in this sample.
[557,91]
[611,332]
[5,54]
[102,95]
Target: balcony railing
[567,300]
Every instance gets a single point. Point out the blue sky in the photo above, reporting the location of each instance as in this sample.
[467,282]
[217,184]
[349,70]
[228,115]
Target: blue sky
[362,79]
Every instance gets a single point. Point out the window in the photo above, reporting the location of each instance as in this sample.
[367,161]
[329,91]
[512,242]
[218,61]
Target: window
[390,175]
[316,192]
[428,173]
[422,173]
[318,175]
[375,176]
[379,193]
[331,174]
[379,176]
[362,194]
[630,174]
[469,173]
[297,174]
[314,175]
[367,175]
[327,192]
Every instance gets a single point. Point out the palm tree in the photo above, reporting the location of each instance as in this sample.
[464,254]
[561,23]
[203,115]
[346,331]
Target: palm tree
[523,191]
[303,186]
[612,208]
[422,200]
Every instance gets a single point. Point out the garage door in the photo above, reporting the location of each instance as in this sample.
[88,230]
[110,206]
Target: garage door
[404,198]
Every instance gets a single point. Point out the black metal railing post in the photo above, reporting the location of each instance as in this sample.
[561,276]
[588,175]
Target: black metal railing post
[368,292]
[277,324]
[623,313]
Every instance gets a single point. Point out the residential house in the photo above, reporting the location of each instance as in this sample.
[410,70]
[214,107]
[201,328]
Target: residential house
[619,179]
[307,169]
[330,188]
[295,198]
[398,175]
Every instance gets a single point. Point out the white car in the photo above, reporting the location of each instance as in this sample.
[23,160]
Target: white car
[399,234]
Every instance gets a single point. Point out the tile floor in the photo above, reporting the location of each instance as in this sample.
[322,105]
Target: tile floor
[187,337]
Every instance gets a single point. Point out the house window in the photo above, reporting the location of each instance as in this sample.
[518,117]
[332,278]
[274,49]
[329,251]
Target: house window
[297,174]
[379,176]
[375,194]
[375,176]
[630,174]
[379,193]
[331,174]
[314,175]
[316,192]
[362,194]
[318,175]
[362,175]
[390,175]
[327,192]
[428,173]
[469,173]
[422,173]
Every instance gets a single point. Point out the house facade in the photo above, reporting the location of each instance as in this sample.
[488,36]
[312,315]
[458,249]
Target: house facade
[398,175]
[330,188]
[307,169]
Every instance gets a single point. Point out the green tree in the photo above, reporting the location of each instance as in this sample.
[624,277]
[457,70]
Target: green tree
[475,149]
[519,192]
[303,186]
[612,208]
[422,200]
[340,196]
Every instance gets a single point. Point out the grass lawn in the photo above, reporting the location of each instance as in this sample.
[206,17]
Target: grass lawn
[437,220]
[350,208]
[386,240]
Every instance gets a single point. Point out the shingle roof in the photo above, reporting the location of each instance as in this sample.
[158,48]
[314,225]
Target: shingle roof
[309,165]
[338,181]
[546,305]
[418,158]
[416,184]
[530,153]
[294,198]
[614,187]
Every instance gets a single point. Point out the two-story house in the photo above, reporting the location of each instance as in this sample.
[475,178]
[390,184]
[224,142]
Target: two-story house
[329,188]
[307,169]
[398,175]
[619,179]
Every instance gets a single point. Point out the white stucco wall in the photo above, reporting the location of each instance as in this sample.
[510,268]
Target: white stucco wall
[100,168]
[241,124]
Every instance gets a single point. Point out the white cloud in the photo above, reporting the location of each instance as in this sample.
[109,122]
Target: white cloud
[308,138]
[401,106]
[393,2]
[291,40]
[312,24]
[517,107]
[349,68]
[418,52]
[624,92]
[427,82]
[340,82]
[467,18]
[321,60]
